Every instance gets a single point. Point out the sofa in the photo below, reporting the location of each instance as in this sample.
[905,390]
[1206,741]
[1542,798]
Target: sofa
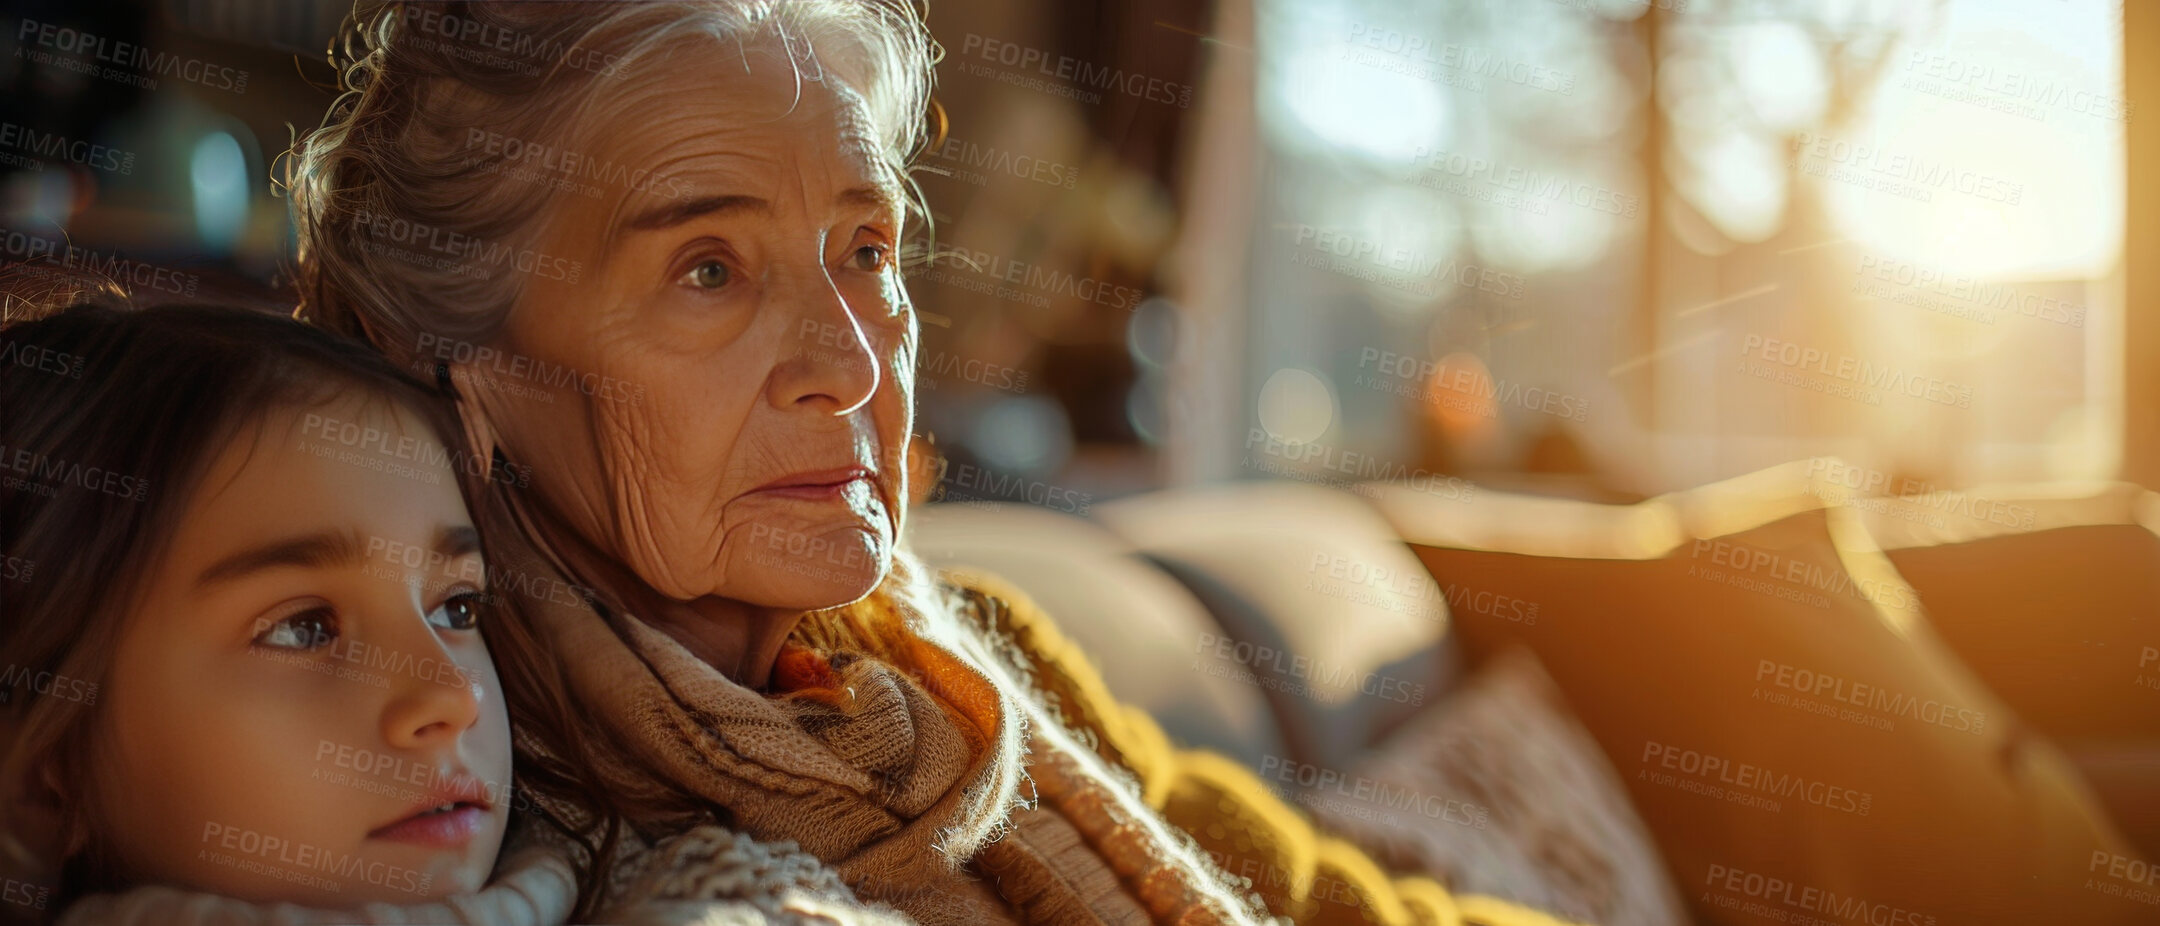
[1774,698]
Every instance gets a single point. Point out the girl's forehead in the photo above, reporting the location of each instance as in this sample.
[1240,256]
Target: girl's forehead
[357,466]
[366,433]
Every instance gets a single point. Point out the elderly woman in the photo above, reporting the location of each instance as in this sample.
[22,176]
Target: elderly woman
[630,235]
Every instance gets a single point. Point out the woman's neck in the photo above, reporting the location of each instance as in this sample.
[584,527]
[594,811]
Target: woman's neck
[740,640]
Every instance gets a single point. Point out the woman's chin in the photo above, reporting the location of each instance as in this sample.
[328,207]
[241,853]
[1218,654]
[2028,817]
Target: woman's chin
[806,569]
[804,590]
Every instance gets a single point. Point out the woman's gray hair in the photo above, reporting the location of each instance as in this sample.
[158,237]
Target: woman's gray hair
[419,200]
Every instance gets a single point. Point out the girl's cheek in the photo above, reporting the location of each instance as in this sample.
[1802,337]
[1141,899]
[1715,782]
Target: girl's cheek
[491,748]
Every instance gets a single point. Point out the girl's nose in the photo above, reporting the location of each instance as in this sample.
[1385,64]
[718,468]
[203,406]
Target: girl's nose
[431,708]
[432,696]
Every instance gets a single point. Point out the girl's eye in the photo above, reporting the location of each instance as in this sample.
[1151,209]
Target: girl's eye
[310,629]
[708,274]
[458,612]
[868,257]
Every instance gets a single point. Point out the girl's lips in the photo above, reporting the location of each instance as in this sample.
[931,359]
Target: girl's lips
[449,830]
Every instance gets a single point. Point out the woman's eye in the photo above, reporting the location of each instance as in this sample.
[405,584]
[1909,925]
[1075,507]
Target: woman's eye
[710,274]
[458,612]
[868,257]
[310,629]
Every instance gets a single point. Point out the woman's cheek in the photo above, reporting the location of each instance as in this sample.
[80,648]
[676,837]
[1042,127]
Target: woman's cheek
[697,320]
[880,305]
[657,500]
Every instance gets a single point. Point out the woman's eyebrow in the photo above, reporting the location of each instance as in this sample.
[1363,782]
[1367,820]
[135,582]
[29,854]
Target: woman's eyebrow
[667,215]
[874,195]
[676,213]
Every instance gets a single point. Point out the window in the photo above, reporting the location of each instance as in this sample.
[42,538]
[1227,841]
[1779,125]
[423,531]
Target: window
[1616,248]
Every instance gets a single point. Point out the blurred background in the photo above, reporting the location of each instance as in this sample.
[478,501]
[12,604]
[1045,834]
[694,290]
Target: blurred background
[1568,251]
[1599,248]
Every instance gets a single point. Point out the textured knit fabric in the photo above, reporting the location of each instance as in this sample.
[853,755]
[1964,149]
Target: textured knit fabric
[705,876]
[533,888]
[709,875]
[1232,815]
[909,772]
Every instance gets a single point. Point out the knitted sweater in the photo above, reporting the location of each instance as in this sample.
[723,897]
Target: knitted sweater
[532,888]
[1231,814]
[709,875]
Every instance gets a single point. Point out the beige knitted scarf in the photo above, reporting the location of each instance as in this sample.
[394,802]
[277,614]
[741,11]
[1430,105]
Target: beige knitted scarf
[869,771]
[908,772]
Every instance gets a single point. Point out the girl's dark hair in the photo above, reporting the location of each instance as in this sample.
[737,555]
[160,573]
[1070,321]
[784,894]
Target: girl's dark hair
[108,417]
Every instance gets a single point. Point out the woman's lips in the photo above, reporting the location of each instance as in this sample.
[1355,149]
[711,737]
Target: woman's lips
[437,829]
[818,485]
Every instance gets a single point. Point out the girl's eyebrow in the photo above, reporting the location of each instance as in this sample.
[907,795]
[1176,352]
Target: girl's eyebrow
[324,548]
[456,540]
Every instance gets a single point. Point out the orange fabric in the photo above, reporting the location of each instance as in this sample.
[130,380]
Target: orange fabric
[801,670]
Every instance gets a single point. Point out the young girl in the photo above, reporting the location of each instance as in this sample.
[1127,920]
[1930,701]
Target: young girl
[245,650]
[245,670]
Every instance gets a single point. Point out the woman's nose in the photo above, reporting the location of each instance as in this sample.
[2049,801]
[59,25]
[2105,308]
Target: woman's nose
[827,360]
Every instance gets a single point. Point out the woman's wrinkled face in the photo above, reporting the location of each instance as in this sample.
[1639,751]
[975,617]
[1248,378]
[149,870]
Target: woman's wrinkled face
[742,349]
